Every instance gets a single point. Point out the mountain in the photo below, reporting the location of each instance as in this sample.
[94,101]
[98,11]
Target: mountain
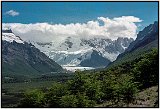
[146,40]
[95,52]
[22,60]
[95,60]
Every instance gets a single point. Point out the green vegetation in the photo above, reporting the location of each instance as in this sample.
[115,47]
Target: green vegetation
[147,68]
[12,91]
[25,61]
[12,78]
[117,85]
[122,85]
[135,55]
[34,98]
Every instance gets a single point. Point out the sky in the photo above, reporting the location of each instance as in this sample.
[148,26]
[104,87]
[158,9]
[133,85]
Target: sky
[73,12]
[106,19]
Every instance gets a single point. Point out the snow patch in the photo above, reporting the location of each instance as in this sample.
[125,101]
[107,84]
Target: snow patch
[74,68]
[10,37]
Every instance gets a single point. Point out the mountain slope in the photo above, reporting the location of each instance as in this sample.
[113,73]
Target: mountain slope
[21,59]
[147,35]
[95,60]
[146,40]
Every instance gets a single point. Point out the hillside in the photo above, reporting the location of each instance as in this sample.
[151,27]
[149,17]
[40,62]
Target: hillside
[146,98]
[146,40]
[131,84]
[23,60]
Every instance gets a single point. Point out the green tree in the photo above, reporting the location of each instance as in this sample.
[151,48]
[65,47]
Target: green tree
[34,98]
[76,85]
[78,100]
[128,90]
[108,83]
[93,89]
[83,101]
[146,70]
[125,89]
[69,101]
[54,94]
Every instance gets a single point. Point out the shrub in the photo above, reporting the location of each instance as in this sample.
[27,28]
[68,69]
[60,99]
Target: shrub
[69,101]
[146,70]
[125,90]
[54,94]
[83,101]
[34,98]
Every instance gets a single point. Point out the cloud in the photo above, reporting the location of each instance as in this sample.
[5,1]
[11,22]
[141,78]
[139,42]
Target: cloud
[12,13]
[124,26]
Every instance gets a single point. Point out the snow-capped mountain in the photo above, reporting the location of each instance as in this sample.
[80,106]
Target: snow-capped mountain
[8,36]
[84,52]
[22,59]
[74,51]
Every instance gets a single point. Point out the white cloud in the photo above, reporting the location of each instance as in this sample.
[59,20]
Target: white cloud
[12,13]
[112,28]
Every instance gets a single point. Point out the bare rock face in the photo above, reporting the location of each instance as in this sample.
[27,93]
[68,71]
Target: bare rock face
[146,40]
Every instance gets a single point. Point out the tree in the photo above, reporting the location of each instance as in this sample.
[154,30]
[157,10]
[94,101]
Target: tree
[146,70]
[77,83]
[83,101]
[124,90]
[55,93]
[93,89]
[128,90]
[34,98]
[69,101]
[78,100]
[108,83]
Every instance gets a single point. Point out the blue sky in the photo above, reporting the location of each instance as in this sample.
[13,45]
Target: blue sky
[77,12]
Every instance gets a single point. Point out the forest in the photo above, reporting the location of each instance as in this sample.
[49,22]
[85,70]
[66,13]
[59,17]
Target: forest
[116,86]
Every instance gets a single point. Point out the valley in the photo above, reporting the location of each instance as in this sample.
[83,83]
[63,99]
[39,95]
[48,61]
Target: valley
[80,54]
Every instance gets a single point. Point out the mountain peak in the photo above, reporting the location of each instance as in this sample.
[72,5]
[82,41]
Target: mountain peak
[150,29]
[9,36]
[147,35]
[6,30]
